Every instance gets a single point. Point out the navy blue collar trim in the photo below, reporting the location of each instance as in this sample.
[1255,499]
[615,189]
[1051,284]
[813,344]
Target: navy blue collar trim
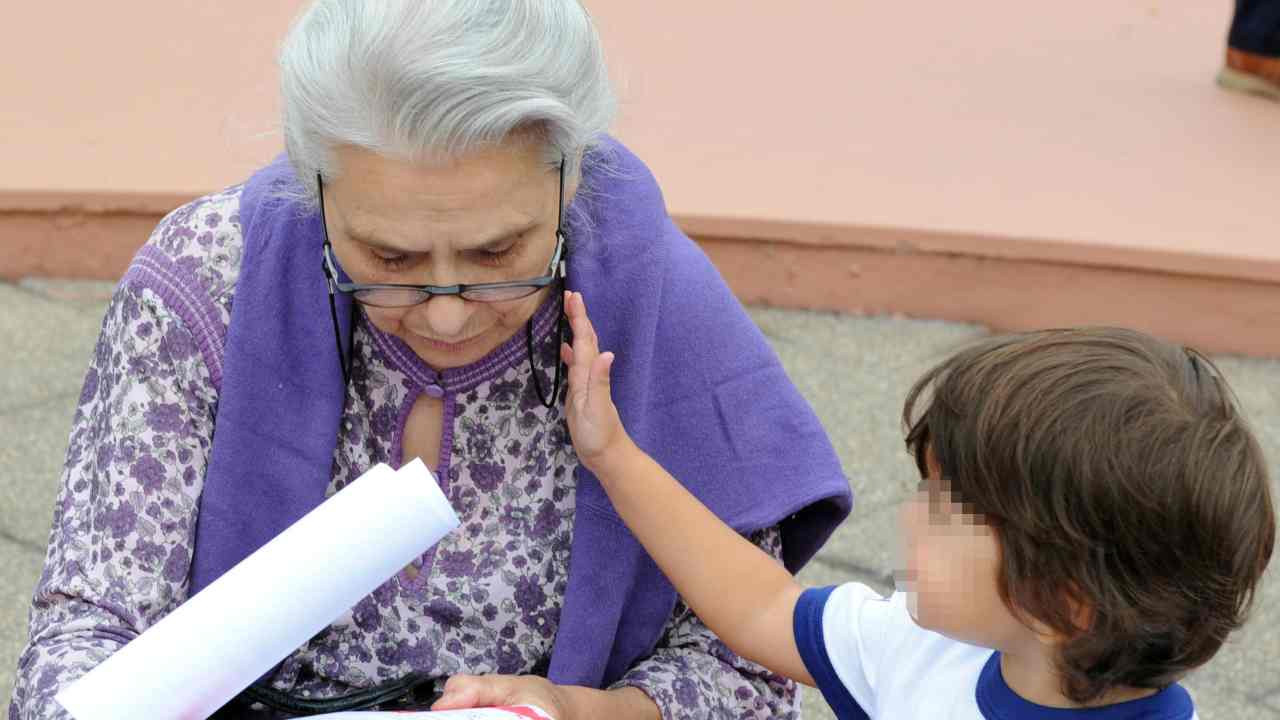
[998,701]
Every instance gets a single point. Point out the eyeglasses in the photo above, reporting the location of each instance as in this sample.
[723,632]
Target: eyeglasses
[393,295]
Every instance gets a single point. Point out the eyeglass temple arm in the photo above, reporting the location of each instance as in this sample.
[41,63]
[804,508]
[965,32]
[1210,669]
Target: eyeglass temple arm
[560,204]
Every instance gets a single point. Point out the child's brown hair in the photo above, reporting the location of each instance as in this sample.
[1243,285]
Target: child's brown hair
[1120,478]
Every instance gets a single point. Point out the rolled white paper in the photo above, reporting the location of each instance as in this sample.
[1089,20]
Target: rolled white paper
[217,643]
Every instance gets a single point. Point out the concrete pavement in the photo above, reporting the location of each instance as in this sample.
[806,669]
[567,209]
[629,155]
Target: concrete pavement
[854,370]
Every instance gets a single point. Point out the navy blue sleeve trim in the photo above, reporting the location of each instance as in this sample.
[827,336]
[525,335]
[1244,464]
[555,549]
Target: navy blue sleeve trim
[807,625]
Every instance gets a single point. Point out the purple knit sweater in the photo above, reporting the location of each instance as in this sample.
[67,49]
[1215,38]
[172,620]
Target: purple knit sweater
[696,384]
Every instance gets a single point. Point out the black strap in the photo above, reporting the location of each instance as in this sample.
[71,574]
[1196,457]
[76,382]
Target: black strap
[411,691]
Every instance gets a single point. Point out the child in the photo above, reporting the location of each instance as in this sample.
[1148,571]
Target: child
[1093,520]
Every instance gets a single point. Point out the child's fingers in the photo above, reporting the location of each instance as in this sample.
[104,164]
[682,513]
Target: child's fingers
[579,373]
[584,333]
[588,367]
[583,350]
[600,371]
[570,307]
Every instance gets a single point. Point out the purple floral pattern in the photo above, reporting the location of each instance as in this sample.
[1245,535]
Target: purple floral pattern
[485,600]
[692,674]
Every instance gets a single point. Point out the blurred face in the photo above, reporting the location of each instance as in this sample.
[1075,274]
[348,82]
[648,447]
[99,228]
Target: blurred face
[949,570]
[489,216]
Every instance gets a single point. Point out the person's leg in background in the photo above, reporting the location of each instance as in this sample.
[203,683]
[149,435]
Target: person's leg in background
[1253,49]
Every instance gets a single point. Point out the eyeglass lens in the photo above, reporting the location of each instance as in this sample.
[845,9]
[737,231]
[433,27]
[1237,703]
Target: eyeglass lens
[406,297]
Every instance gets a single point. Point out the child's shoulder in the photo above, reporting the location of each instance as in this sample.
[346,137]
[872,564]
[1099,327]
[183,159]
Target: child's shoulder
[870,659]
[865,652]
[856,618]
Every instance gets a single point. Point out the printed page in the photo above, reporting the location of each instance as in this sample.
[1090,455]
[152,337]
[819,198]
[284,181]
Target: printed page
[227,636]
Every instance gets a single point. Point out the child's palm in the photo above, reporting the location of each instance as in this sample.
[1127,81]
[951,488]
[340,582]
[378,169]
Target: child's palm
[593,419]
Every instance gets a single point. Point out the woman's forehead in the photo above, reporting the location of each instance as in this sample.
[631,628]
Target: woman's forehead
[468,200]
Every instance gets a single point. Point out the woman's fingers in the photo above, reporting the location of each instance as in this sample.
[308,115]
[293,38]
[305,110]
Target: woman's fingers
[470,691]
[461,691]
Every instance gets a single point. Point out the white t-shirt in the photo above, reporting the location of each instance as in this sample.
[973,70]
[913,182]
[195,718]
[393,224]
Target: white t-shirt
[871,660]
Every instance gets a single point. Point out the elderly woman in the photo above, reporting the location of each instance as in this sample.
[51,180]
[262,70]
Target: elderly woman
[392,290]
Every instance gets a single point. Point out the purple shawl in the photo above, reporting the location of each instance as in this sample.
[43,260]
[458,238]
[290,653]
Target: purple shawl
[695,382]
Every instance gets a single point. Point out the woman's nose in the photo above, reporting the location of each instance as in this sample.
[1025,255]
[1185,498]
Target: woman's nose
[443,317]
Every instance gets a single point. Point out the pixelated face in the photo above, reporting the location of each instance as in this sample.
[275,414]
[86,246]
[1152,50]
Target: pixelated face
[948,567]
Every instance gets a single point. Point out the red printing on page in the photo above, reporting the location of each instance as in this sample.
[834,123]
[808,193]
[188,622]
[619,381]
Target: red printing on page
[525,712]
[518,711]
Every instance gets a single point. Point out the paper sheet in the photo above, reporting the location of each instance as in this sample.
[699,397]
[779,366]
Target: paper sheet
[227,636]
[518,712]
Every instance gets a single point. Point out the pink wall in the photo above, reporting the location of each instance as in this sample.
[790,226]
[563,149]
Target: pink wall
[141,97]
[1086,130]
[1085,134]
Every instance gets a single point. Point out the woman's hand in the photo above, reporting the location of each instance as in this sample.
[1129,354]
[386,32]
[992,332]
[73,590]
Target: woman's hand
[597,431]
[562,702]
[472,691]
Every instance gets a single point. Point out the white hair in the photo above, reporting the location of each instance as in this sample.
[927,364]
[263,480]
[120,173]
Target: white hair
[437,78]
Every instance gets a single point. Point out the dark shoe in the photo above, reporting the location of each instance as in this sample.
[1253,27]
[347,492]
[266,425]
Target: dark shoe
[1250,73]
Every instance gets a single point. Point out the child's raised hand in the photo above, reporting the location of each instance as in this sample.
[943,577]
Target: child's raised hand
[699,553]
[597,431]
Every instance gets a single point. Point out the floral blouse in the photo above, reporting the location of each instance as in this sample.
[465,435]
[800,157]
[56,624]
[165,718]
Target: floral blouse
[486,599]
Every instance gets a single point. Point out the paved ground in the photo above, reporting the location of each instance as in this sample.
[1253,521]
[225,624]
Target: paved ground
[854,370]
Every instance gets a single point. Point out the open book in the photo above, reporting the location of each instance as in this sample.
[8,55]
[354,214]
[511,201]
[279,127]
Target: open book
[519,712]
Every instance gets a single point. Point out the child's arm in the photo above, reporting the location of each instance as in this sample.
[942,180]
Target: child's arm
[741,593]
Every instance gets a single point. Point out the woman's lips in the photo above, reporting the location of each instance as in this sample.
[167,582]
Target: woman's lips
[448,346]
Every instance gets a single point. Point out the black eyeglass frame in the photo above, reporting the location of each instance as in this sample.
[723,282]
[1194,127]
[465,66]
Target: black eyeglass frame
[467,291]
[557,271]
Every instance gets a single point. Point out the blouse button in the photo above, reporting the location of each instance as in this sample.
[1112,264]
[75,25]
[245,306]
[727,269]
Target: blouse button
[346,425]
[434,391]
